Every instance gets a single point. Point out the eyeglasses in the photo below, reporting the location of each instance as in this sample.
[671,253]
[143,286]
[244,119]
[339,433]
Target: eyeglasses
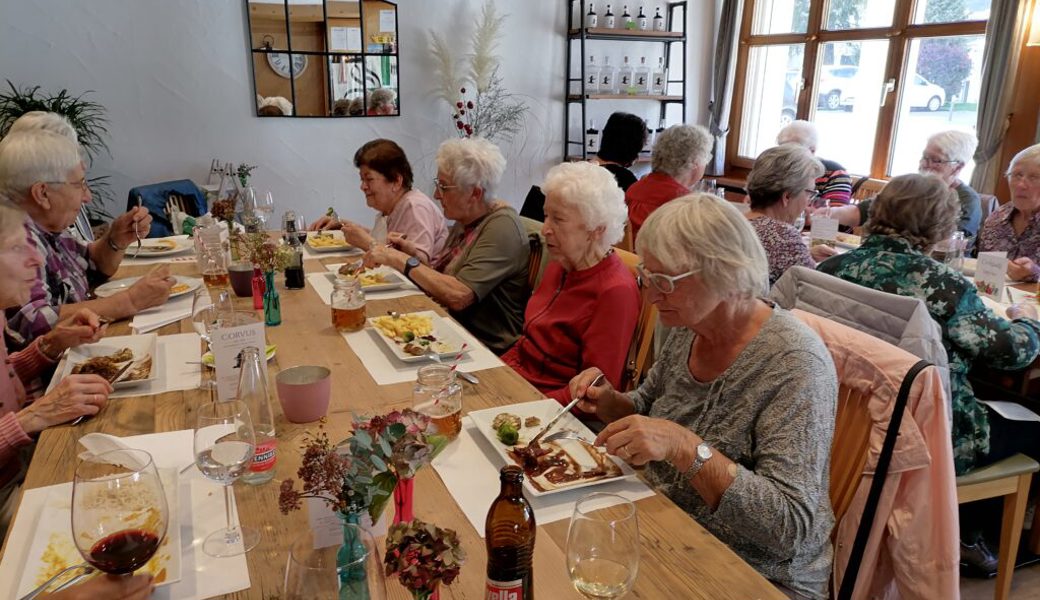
[1018,176]
[81,184]
[661,282]
[813,195]
[937,161]
[441,187]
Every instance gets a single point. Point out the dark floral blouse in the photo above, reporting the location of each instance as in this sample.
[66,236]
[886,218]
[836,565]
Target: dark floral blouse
[972,333]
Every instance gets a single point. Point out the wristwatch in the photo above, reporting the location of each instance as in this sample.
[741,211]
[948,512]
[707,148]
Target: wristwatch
[703,455]
[410,264]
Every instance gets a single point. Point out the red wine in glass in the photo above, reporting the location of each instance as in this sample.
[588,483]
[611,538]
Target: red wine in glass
[124,552]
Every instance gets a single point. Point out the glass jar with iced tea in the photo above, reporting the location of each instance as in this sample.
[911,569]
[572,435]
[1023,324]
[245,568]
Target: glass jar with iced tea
[439,396]
[348,304]
[213,264]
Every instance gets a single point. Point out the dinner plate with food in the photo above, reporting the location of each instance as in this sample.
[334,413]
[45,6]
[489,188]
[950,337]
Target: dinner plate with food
[380,279]
[551,467]
[328,241]
[414,337]
[848,241]
[52,547]
[108,357]
[182,286]
[154,247]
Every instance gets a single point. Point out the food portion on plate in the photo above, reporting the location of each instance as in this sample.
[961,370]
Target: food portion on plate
[106,366]
[326,239]
[412,332]
[158,246]
[180,288]
[368,277]
[848,238]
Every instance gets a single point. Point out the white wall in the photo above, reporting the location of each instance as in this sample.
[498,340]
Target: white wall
[174,76]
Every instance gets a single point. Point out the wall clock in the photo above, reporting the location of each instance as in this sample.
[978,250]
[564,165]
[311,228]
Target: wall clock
[279,63]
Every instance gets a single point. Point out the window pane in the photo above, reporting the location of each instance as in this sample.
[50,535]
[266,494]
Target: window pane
[951,11]
[943,94]
[772,82]
[858,14]
[849,84]
[780,16]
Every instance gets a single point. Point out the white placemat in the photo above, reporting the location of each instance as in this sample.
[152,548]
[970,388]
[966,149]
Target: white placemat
[179,357]
[202,576]
[386,369]
[323,287]
[468,464]
[170,312]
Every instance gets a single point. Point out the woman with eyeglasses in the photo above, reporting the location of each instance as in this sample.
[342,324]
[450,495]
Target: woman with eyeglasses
[585,309]
[780,186]
[386,181]
[1015,227]
[41,171]
[735,419]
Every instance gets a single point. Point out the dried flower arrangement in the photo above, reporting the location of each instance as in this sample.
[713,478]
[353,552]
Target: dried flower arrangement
[423,556]
[258,248]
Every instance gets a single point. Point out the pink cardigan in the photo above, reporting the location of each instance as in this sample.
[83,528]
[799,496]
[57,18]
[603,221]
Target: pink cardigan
[19,368]
[913,550]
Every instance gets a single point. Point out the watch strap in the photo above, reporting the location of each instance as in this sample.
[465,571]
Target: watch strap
[696,466]
[410,264]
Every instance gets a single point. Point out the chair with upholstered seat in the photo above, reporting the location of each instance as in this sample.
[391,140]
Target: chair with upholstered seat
[640,355]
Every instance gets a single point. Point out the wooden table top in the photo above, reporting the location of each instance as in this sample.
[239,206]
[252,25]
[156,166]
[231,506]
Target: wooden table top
[680,559]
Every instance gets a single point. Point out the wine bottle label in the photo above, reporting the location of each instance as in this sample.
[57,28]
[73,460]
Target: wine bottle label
[504,590]
[642,23]
[610,22]
[265,457]
[659,24]
[590,21]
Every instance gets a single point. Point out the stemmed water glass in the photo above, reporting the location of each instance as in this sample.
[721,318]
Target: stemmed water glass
[352,571]
[264,209]
[224,444]
[119,510]
[603,546]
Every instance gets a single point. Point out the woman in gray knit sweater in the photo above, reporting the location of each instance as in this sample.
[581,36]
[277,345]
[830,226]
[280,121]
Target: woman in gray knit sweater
[735,419]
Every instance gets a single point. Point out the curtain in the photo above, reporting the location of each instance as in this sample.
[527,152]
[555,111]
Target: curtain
[722,80]
[1004,36]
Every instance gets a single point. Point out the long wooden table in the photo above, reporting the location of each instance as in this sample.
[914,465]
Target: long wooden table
[680,559]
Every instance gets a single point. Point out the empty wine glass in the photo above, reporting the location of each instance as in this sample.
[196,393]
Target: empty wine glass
[353,570]
[119,510]
[264,209]
[224,443]
[603,546]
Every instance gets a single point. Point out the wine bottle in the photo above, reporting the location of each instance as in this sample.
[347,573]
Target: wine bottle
[591,18]
[608,18]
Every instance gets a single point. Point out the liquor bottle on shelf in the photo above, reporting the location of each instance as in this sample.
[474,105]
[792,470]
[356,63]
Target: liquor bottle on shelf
[592,76]
[626,78]
[591,19]
[643,22]
[607,78]
[626,19]
[509,533]
[608,18]
[660,129]
[659,79]
[658,20]
[592,138]
[642,78]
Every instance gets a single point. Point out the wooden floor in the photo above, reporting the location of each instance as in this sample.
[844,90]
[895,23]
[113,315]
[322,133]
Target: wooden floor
[1024,586]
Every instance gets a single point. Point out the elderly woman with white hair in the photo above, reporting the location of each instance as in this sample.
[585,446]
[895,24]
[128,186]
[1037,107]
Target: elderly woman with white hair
[780,187]
[585,309]
[835,185]
[679,156]
[42,173]
[1015,227]
[481,275]
[735,419]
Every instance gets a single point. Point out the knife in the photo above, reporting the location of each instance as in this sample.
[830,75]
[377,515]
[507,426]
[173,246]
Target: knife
[468,377]
[566,409]
[111,380]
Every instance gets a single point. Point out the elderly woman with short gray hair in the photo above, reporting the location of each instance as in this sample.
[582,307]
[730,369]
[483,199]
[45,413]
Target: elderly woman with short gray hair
[678,160]
[481,275]
[1015,227]
[780,186]
[736,417]
[585,309]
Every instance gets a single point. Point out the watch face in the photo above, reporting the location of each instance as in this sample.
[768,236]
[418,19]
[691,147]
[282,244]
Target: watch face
[279,63]
[703,452]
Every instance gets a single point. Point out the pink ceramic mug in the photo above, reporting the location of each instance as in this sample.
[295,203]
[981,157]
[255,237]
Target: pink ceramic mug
[304,392]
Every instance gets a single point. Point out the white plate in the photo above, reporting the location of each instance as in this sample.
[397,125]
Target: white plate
[183,286]
[848,241]
[153,247]
[545,410]
[392,280]
[53,537]
[208,360]
[441,330]
[341,242]
[141,345]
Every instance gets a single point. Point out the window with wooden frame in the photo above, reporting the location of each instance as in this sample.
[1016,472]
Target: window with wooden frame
[876,76]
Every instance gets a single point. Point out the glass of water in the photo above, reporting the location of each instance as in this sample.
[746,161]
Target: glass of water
[603,546]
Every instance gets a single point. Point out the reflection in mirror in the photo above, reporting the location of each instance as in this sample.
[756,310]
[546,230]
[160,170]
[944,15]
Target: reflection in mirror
[267,29]
[382,98]
[273,90]
[380,26]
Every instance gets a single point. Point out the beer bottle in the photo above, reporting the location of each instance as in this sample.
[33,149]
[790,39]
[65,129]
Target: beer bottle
[509,532]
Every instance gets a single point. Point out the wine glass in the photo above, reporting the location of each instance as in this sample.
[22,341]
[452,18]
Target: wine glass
[264,208]
[603,546]
[301,228]
[224,444]
[119,510]
[353,570]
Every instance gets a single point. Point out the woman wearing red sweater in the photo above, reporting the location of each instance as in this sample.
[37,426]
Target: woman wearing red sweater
[584,312]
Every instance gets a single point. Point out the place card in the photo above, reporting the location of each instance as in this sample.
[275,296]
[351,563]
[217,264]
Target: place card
[228,343]
[327,527]
[824,229]
[990,274]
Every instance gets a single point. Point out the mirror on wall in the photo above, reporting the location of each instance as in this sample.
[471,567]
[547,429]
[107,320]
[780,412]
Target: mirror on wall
[324,58]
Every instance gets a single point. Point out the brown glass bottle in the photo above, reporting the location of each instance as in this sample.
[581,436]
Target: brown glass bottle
[509,532]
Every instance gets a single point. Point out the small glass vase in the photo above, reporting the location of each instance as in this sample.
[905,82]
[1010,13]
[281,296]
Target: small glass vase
[272,303]
[433,594]
[259,287]
[404,493]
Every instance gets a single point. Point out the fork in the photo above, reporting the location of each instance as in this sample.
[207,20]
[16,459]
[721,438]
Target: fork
[46,584]
[137,250]
[565,435]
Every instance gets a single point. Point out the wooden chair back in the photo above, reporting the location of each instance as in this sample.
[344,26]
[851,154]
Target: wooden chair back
[627,243]
[538,258]
[865,187]
[640,351]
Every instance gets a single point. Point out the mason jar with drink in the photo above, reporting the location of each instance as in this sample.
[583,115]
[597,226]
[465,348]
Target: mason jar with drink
[438,395]
[348,304]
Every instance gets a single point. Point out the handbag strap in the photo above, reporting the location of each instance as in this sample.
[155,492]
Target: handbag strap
[859,546]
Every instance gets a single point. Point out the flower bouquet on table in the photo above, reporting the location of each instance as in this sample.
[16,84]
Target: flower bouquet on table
[423,556]
[267,256]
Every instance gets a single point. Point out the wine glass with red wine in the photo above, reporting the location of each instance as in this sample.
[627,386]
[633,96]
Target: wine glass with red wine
[119,510]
